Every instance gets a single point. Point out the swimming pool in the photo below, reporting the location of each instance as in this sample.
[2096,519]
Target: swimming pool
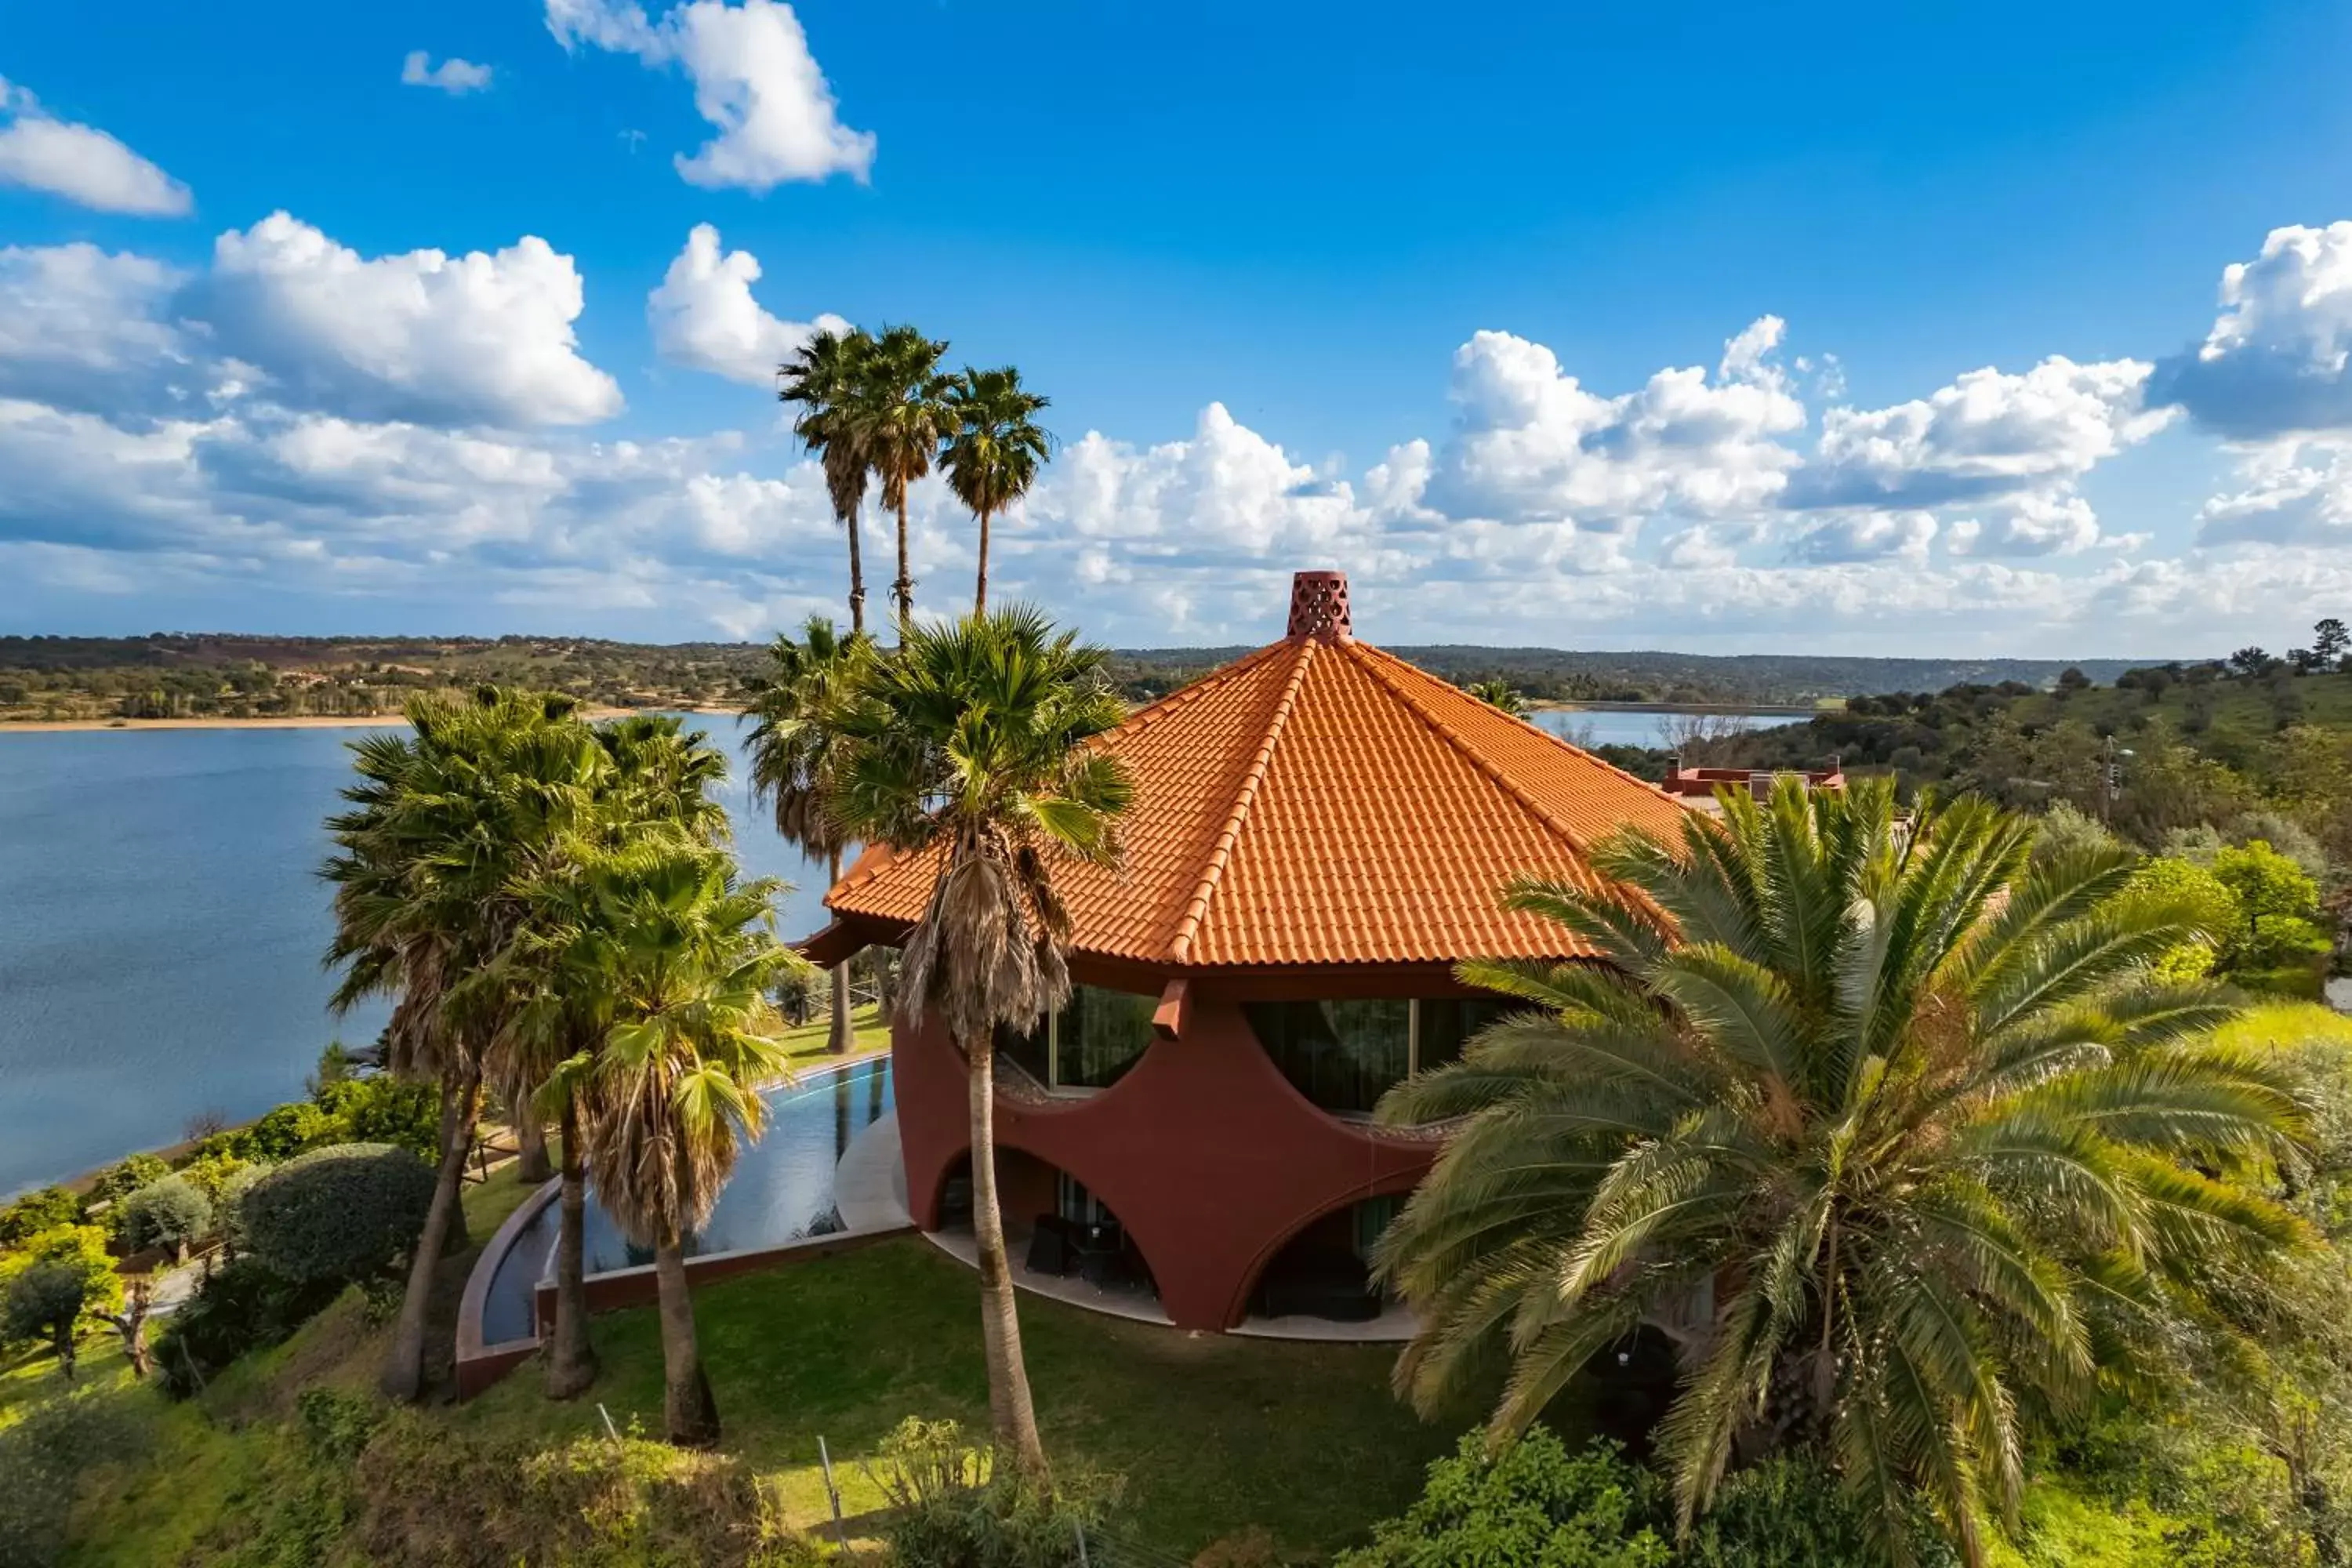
[782,1191]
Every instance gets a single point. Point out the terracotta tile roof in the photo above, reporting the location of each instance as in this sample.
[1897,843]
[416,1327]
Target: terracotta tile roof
[1321,802]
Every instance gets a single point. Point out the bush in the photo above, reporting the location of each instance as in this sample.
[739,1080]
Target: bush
[243,1306]
[35,1212]
[171,1214]
[951,1510]
[44,1456]
[1534,1504]
[117,1182]
[339,1214]
[1788,1514]
[381,1108]
[290,1130]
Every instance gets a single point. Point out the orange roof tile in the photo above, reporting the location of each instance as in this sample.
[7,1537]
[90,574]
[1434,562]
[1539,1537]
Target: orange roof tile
[1321,802]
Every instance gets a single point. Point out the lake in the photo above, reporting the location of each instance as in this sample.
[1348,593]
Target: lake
[1636,726]
[161,925]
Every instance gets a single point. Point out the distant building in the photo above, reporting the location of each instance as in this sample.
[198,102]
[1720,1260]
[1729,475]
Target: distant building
[1320,832]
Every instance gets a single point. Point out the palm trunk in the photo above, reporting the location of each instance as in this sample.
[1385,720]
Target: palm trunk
[570,1355]
[1011,1412]
[403,1370]
[903,590]
[690,1414]
[530,1136]
[979,595]
[844,1038]
[856,576]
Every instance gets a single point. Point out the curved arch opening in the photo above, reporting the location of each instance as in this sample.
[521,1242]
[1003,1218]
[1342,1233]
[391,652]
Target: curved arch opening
[1324,1272]
[1062,1239]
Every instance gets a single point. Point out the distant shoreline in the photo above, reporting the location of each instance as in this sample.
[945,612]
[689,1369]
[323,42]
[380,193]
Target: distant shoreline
[1757,710]
[306,722]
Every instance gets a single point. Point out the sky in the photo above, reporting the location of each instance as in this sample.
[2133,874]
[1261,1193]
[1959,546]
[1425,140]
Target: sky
[2010,329]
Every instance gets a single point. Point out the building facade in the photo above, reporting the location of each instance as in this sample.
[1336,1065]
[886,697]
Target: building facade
[1321,833]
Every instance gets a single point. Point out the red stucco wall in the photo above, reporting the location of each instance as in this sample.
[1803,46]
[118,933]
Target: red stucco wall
[1208,1156]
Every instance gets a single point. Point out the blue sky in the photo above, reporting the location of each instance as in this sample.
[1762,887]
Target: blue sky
[1867,328]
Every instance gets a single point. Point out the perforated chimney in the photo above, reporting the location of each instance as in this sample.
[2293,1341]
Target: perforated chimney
[1318,606]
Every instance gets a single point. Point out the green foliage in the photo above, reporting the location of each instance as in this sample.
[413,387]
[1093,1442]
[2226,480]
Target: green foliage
[47,1285]
[340,1214]
[1532,1505]
[45,1458]
[171,1214]
[952,1509]
[2268,885]
[1817,1067]
[45,1208]
[2067,827]
[289,1130]
[2202,897]
[241,1306]
[119,1182]
[382,1108]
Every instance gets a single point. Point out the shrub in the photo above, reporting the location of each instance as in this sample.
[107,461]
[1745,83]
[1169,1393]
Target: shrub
[290,1130]
[171,1214]
[1788,1513]
[340,1214]
[45,1455]
[951,1510]
[1533,1503]
[243,1306]
[117,1182]
[381,1108]
[35,1212]
[2215,906]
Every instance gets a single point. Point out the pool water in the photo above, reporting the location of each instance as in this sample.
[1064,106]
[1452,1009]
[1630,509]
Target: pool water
[782,1191]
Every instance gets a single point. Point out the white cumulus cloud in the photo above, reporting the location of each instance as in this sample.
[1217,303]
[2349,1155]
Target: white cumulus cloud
[754,80]
[82,327]
[80,162]
[2275,361]
[479,338]
[1532,445]
[452,75]
[703,315]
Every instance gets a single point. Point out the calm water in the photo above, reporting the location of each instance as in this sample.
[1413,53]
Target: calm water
[781,1190]
[161,925]
[1635,726]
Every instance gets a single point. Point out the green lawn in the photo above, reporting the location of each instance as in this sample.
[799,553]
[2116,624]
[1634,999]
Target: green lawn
[1210,1435]
[808,1045]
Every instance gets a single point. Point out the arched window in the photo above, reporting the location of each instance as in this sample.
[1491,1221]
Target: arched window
[1090,1044]
[1344,1055]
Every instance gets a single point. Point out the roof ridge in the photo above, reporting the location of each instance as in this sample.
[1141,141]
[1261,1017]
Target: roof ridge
[1196,909]
[1461,743]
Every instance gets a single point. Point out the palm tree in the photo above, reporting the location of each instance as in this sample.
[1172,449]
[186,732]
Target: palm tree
[652,782]
[1500,693]
[683,956]
[897,415]
[994,450]
[974,740]
[1892,1134]
[441,822]
[823,378]
[794,744]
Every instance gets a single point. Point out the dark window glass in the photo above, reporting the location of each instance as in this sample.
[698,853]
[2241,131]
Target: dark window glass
[1449,1022]
[1103,1034]
[1342,1056]
[1027,1051]
[1372,1218]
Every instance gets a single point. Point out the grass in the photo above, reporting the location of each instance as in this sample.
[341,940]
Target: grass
[1210,1435]
[811,1045]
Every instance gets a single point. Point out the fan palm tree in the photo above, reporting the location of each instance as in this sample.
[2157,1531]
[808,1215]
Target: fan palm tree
[1500,693]
[682,956]
[974,742]
[1893,1133]
[994,451]
[898,416]
[440,822]
[823,378]
[794,742]
[652,782]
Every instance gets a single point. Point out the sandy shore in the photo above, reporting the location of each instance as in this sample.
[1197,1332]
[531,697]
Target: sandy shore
[380,722]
